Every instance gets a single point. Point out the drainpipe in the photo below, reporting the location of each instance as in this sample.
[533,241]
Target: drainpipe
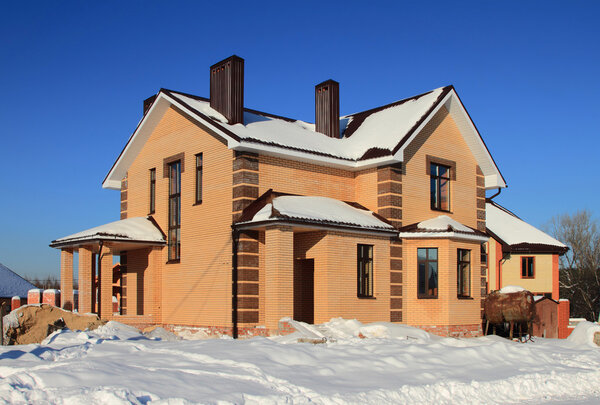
[495,195]
[235,236]
[99,271]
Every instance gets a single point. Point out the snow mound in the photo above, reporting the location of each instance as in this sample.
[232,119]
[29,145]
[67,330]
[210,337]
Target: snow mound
[340,329]
[583,334]
[114,330]
[511,289]
[159,333]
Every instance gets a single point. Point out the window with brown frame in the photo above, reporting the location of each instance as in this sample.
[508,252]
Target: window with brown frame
[364,264]
[174,243]
[427,272]
[527,267]
[440,187]
[463,263]
[199,178]
[152,191]
[484,256]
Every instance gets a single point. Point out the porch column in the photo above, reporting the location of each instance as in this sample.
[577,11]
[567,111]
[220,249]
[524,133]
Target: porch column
[279,274]
[86,280]
[155,265]
[66,279]
[106,281]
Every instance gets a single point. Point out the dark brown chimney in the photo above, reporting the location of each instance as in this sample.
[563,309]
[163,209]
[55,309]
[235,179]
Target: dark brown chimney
[227,88]
[327,108]
[148,103]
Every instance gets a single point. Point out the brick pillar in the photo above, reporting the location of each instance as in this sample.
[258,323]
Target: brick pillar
[66,279]
[15,303]
[51,297]
[124,198]
[155,265]
[279,274]
[389,205]
[86,284]
[105,278]
[34,296]
[555,278]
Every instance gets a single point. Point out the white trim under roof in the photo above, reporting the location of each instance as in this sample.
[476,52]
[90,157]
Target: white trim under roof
[493,178]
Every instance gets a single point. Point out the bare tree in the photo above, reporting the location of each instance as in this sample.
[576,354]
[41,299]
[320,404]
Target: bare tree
[580,267]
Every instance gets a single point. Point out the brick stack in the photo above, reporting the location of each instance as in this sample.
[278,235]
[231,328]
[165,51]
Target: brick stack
[389,203]
[34,296]
[245,190]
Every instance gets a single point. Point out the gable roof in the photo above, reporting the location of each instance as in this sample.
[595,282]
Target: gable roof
[274,207]
[11,284]
[516,235]
[137,229]
[367,139]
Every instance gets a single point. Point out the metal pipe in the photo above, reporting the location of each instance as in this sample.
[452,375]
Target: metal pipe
[235,235]
[495,195]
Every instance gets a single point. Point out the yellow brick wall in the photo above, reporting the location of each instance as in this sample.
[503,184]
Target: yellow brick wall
[196,291]
[447,309]
[292,177]
[335,282]
[440,138]
[511,271]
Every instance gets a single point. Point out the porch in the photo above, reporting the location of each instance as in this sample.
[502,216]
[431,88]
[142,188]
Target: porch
[139,243]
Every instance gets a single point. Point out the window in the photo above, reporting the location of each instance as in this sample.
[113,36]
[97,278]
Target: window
[440,187]
[427,284]
[463,261]
[198,178]
[527,267]
[174,210]
[484,255]
[364,262]
[152,190]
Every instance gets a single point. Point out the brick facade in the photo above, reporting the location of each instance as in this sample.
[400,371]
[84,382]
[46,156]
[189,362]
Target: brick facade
[197,290]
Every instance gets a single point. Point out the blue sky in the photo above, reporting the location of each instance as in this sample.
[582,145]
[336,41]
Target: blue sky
[74,75]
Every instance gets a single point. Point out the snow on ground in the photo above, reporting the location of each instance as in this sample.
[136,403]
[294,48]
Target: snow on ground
[115,364]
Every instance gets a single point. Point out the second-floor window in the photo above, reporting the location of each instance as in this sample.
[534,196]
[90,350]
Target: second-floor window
[198,178]
[463,262]
[527,267]
[440,187]
[174,243]
[427,283]
[152,191]
[364,262]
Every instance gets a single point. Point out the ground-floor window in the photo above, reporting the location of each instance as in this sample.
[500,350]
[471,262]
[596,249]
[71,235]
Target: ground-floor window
[427,283]
[364,264]
[463,261]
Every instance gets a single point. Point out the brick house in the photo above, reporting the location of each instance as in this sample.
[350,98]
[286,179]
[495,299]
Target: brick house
[520,254]
[232,218]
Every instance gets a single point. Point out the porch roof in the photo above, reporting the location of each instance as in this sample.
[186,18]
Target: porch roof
[274,207]
[131,230]
[442,227]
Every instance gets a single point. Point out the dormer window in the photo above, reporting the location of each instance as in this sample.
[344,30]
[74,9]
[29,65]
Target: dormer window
[440,187]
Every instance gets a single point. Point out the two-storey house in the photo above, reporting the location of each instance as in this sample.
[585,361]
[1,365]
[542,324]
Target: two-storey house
[232,218]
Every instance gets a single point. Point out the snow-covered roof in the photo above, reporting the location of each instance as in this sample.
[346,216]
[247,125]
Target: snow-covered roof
[441,227]
[11,284]
[138,229]
[314,210]
[517,235]
[367,139]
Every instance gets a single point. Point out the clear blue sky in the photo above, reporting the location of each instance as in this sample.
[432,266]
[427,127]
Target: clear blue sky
[74,75]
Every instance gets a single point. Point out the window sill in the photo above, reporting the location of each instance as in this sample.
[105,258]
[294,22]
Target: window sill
[427,297]
[361,297]
[173,261]
[197,203]
[465,298]
[441,210]
[527,278]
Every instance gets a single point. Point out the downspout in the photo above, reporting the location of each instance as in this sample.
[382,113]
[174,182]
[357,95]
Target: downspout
[98,294]
[495,195]
[235,235]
